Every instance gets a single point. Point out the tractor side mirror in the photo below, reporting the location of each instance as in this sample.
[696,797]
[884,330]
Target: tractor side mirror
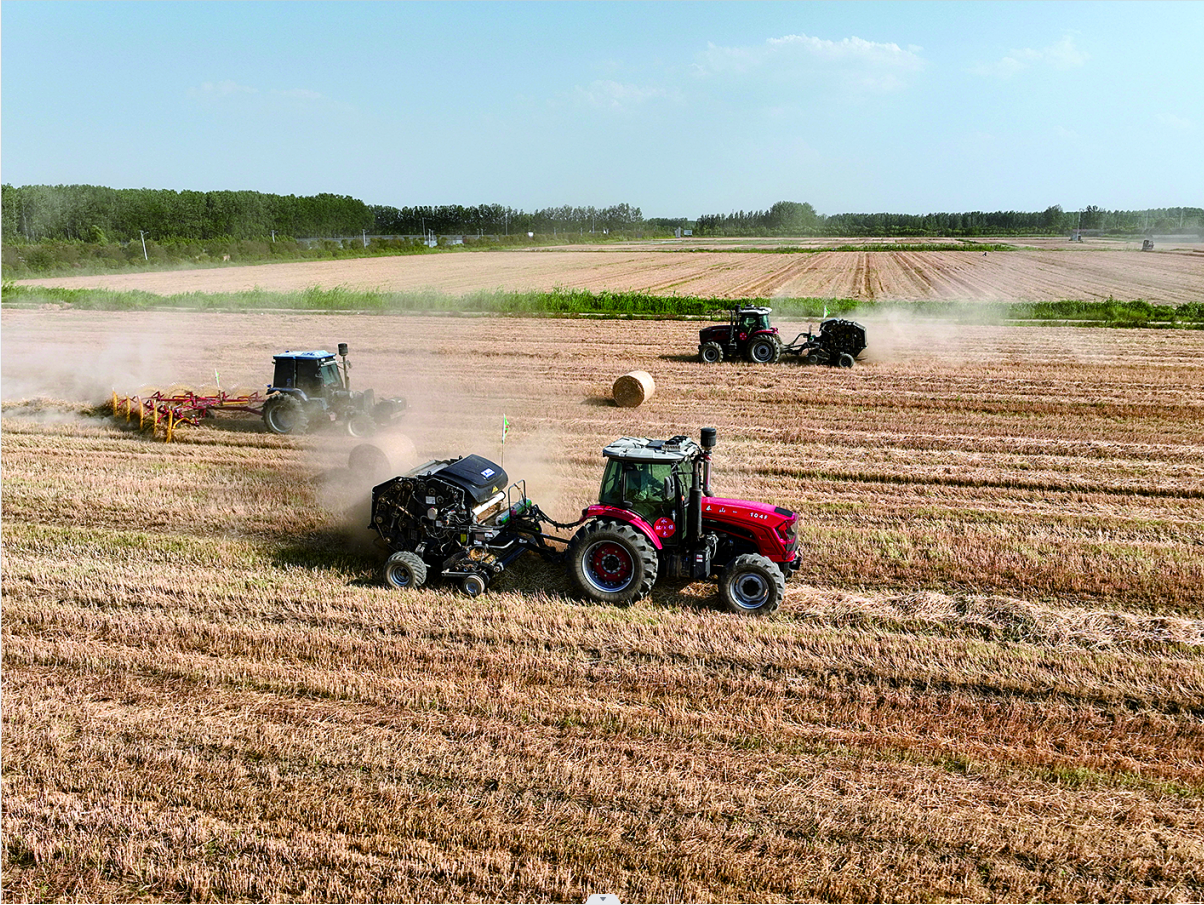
[343,350]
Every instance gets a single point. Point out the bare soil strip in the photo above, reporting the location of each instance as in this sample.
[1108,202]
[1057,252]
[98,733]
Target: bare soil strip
[1028,274]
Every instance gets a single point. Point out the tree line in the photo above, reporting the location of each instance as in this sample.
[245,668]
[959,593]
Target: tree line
[98,215]
[793,219]
[95,214]
[91,213]
[497,220]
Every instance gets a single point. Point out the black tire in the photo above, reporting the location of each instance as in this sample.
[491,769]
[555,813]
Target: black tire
[284,414]
[613,562]
[752,585]
[405,571]
[473,585]
[845,360]
[764,350]
[360,425]
[711,353]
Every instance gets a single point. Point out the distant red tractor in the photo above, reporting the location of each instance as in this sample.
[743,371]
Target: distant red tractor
[655,518]
[749,335]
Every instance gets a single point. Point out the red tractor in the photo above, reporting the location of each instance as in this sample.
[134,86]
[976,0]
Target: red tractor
[655,518]
[749,335]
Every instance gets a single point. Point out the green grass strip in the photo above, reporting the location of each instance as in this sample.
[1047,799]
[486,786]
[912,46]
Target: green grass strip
[571,303]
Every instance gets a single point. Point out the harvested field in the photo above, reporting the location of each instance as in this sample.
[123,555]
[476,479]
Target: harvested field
[985,684]
[1101,271]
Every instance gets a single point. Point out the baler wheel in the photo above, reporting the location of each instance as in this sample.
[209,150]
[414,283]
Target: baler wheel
[612,562]
[752,585]
[845,360]
[473,585]
[405,571]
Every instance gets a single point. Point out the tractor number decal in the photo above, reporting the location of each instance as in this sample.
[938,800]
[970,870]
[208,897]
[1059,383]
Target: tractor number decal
[664,527]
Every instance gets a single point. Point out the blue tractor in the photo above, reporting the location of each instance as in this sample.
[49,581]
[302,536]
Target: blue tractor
[311,389]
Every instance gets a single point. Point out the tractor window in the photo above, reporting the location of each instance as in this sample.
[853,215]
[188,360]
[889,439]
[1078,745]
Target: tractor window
[640,487]
[753,322]
[612,484]
[329,375]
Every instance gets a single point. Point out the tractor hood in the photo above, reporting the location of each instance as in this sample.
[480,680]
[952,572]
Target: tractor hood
[773,529]
[720,509]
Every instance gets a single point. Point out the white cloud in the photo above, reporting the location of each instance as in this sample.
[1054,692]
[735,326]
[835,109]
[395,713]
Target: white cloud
[212,91]
[1063,55]
[299,94]
[1178,123]
[220,89]
[610,95]
[861,65]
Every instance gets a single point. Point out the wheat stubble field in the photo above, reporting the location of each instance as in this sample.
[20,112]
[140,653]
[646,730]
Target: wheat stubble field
[1045,271]
[986,683]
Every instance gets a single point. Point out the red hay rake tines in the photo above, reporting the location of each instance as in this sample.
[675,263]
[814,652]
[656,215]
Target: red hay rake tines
[169,409]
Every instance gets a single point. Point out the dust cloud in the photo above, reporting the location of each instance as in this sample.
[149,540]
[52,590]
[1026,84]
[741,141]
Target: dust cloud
[35,367]
[903,333]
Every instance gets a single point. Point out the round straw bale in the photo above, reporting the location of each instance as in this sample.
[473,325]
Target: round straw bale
[634,389]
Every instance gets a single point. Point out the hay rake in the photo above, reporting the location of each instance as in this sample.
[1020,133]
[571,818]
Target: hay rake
[168,409]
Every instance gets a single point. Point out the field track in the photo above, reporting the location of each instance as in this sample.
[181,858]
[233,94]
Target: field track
[1173,276]
[985,685]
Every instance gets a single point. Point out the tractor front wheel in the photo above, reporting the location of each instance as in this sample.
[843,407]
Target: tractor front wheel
[405,571]
[360,425]
[752,585]
[711,353]
[285,415]
[764,351]
[612,562]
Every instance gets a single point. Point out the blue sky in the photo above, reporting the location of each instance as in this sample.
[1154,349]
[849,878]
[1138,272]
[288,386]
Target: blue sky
[679,108]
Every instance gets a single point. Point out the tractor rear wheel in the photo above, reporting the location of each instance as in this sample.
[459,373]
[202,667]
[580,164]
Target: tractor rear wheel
[764,351]
[285,415]
[612,562]
[752,585]
[711,353]
[405,571]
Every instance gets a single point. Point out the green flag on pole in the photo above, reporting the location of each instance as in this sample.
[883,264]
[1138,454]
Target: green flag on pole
[505,427]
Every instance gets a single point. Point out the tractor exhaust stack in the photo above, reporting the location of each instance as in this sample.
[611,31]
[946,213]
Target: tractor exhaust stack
[346,366]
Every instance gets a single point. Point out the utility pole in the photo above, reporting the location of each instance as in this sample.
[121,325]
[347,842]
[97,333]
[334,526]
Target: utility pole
[142,235]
